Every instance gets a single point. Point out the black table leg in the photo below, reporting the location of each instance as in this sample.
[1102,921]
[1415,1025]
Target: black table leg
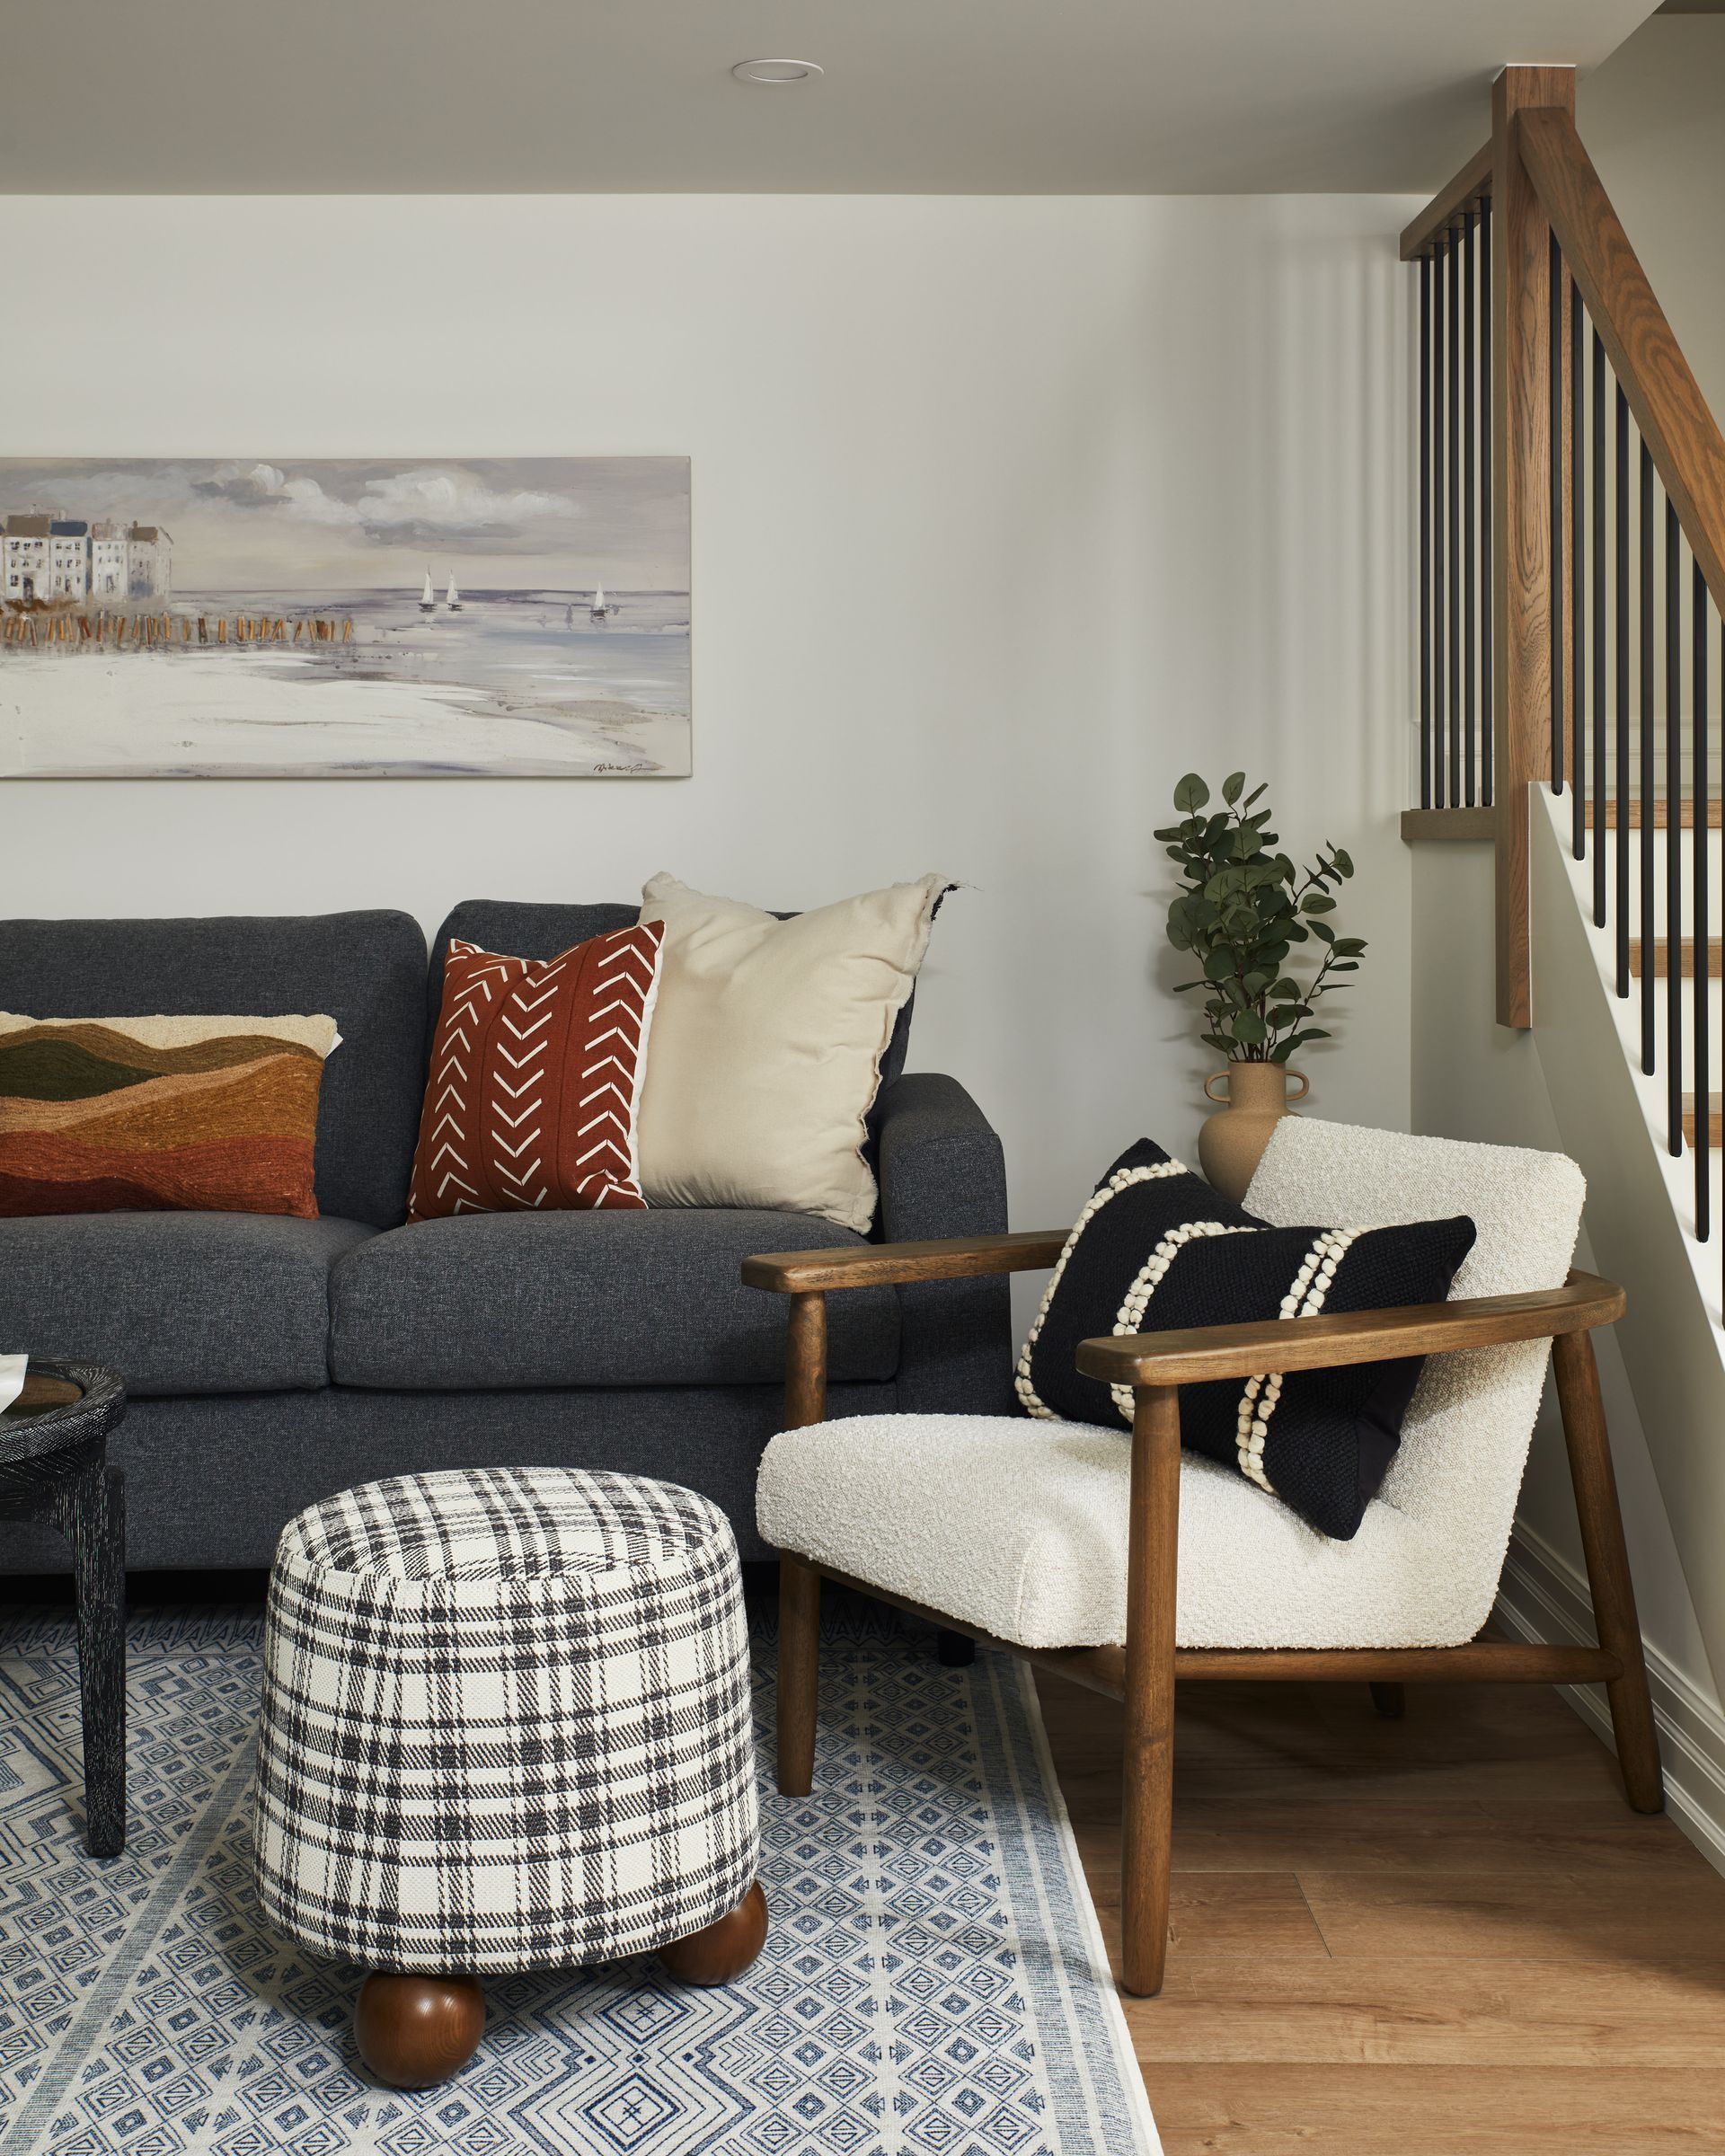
[90,1513]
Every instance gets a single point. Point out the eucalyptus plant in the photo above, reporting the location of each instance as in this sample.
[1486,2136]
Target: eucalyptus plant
[1243,908]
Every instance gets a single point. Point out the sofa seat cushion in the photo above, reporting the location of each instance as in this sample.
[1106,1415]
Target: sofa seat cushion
[496,1300]
[177,1302]
[1020,1529]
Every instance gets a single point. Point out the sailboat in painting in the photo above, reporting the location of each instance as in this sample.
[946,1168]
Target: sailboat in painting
[428,597]
[453,601]
[601,605]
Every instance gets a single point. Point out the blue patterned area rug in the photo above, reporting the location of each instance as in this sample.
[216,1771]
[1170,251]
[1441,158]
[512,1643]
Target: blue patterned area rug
[933,1984]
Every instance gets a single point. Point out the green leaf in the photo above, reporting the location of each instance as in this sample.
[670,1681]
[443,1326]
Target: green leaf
[1191,793]
[1313,903]
[1218,1040]
[1218,965]
[1233,787]
[1250,1028]
[1323,929]
[1255,794]
[1349,946]
[1343,862]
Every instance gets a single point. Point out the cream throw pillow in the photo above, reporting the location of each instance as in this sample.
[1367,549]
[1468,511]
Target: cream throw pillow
[765,1049]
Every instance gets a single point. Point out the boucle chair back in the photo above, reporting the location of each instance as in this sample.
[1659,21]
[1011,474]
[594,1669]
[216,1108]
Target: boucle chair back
[1464,1442]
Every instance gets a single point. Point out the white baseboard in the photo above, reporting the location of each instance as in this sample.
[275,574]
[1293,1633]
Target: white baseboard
[1542,1597]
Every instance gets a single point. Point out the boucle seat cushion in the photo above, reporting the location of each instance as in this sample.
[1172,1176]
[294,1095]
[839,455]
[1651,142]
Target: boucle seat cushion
[506,1722]
[1019,1526]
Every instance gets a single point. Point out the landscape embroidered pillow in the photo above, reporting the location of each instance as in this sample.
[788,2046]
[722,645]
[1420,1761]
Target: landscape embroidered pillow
[535,1079]
[140,1114]
[1156,1250]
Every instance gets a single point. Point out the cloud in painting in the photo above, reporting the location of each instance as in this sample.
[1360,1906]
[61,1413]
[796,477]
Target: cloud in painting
[442,502]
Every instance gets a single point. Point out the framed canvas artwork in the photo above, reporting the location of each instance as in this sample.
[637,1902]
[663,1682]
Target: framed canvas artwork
[510,616]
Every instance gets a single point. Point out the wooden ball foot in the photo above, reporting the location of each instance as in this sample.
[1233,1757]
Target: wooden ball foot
[413,2031]
[723,1951]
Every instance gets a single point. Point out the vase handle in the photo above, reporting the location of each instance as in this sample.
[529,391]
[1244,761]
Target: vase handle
[1211,1081]
[1305,1084]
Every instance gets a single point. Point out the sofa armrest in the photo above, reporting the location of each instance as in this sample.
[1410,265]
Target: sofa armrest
[943,1173]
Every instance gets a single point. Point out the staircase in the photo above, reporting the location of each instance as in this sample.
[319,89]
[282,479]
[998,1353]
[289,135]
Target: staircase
[1572,670]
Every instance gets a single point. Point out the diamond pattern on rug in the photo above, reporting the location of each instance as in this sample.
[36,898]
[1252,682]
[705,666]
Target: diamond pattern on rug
[934,1983]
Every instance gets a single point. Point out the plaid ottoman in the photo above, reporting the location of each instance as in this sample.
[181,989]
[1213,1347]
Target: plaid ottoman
[506,1722]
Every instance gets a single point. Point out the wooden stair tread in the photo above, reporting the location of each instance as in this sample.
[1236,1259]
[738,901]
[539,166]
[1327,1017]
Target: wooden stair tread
[1715,1118]
[1661,815]
[1662,958]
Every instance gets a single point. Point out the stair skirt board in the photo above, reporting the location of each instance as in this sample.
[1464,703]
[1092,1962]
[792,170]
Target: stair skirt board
[1542,1597]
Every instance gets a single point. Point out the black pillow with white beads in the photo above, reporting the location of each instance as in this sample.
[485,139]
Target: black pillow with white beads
[1156,1250]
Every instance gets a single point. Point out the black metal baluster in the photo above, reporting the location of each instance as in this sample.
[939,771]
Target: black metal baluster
[1702,967]
[1470,716]
[1555,260]
[1600,788]
[1673,833]
[1488,686]
[1439,789]
[1650,805]
[1578,582]
[1425,531]
[1455,520]
[1622,850]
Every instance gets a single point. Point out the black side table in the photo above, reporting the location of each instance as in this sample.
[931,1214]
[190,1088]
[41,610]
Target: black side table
[54,1466]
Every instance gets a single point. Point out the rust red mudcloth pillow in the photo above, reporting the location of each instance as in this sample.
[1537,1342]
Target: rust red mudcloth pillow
[536,1076]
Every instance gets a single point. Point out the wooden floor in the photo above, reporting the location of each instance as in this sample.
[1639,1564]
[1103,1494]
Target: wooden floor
[1445,1934]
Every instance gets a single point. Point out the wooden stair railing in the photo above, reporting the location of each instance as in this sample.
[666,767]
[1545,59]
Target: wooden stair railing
[1572,579]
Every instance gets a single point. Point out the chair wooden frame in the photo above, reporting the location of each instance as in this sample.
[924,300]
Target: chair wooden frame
[1143,1672]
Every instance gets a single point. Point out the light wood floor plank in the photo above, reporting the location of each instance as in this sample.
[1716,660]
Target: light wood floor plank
[1614,2110]
[1385,2013]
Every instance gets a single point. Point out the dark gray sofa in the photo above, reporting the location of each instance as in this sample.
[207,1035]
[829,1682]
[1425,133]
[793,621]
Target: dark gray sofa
[270,1362]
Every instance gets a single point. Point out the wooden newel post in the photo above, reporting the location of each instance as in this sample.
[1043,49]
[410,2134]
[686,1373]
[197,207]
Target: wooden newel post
[1521,518]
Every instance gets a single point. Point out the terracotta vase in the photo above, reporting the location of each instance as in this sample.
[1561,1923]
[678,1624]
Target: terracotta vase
[1231,1143]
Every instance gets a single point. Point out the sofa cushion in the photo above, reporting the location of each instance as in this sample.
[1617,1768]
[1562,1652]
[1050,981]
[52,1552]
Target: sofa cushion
[177,1302]
[365,969]
[627,1298]
[541,931]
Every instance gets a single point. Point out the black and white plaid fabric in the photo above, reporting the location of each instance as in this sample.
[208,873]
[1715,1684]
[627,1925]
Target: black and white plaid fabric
[1156,1250]
[506,1722]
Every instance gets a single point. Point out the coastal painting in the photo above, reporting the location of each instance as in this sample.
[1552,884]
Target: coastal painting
[293,617]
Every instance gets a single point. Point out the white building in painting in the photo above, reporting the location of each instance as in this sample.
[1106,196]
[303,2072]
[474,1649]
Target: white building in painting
[26,559]
[108,548]
[149,550]
[68,558]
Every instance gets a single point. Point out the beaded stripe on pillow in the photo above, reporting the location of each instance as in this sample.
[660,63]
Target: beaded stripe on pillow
[1121,1179]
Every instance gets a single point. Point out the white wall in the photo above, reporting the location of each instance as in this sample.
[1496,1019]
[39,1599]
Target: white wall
[1653,119]
[1007,511]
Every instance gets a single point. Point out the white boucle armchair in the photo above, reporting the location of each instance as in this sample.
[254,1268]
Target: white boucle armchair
[1124,1564]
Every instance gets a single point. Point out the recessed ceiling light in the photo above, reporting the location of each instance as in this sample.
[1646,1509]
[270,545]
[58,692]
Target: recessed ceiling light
[773,74]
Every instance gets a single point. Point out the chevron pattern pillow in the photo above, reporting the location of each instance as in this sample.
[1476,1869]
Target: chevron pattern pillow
[1156,1250]
[535,1080]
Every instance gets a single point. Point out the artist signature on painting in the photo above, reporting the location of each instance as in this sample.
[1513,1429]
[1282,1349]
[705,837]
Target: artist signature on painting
[628,771]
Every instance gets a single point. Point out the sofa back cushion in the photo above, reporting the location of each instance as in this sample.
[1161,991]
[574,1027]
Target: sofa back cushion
[365,969]
[541,931]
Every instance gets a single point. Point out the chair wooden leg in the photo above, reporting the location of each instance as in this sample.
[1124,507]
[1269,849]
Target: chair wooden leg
[799,1673]
[1147,1796]
[1389,1701]
[1608,1562]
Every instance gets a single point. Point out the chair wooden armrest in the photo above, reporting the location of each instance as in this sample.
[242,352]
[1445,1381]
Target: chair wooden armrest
[902,1264]
[1366,1336]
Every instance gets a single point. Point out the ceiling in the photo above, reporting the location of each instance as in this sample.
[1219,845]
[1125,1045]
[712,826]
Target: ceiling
[919,96]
